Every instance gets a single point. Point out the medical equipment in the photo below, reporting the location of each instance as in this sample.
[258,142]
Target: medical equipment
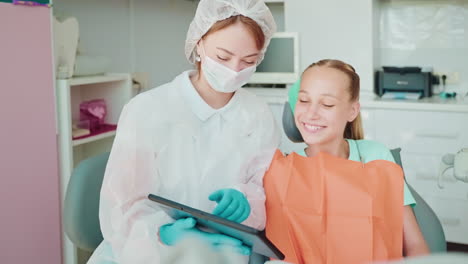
[403,79]
[281,62]
[459,163]
[222,78]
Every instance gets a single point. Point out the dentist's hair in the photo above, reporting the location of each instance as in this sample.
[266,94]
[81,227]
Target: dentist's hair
[254,29]
[353,130]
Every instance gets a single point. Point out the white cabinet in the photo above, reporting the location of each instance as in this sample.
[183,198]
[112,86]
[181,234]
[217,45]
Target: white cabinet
[116,90]
[425,136]
[421,132]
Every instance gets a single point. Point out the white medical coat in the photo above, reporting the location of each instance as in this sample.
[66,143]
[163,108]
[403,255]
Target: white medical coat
[170,142]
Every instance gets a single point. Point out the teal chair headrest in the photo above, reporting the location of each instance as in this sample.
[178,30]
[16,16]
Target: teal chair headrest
[289,125]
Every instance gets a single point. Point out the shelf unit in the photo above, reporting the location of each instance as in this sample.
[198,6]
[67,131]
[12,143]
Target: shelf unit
[77,142]
[116,89]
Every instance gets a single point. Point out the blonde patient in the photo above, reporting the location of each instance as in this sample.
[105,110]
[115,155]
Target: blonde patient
[326,110]
[328,116]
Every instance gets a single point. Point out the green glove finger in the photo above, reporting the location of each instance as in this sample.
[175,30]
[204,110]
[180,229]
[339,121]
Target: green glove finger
[231,209]
[245,215]
[236,216]
[170,234]
[186,223]
[216,196]
[222,205]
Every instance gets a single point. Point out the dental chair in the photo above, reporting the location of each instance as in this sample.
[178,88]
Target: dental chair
[427,219]
[81,206]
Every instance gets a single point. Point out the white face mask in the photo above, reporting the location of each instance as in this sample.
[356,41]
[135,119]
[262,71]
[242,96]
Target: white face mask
[222,78]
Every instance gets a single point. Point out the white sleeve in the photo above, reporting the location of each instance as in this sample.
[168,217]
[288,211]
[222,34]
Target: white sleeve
[129,221]
[268,137]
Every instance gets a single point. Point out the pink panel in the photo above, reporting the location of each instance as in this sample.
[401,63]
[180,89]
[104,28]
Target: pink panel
[29,186]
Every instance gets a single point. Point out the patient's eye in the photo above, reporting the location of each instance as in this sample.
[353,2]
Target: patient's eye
[222,58]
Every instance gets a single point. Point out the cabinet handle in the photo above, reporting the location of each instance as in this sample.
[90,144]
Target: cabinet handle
[450,221]
[437,135]
[429,177]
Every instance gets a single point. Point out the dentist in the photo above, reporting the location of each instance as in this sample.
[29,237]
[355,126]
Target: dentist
[200,140]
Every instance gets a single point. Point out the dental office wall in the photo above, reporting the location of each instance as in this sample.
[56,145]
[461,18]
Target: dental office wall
[29,189]
[149,36]
[426,33]
[160,29]
[335,29]
[159,32]
[104,29]
[138,35]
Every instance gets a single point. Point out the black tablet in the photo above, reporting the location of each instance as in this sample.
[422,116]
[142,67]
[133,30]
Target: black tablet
[254,238]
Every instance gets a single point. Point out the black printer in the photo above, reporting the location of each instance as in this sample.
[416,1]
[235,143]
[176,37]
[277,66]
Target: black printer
[403,79]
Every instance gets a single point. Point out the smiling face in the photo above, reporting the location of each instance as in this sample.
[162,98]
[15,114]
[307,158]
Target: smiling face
[233,47]
[324,106]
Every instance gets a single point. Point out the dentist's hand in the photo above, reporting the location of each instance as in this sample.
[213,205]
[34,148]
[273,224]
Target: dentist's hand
[232,205]
[171,234]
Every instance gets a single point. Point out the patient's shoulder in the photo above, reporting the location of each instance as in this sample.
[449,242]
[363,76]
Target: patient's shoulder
[370,150]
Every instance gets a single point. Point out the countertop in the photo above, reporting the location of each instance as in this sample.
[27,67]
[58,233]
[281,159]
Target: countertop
[435,103]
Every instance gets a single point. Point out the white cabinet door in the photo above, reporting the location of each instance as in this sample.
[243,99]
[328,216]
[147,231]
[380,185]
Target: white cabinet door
[419,131]
[424,138]
[453,214]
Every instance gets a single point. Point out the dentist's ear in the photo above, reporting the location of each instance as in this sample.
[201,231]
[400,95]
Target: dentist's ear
[197,51]
[355,110]
[199,48]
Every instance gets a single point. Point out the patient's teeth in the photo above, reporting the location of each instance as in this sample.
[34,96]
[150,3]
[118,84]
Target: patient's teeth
[311,127]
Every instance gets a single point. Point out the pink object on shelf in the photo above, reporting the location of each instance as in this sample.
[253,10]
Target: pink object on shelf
[95,111]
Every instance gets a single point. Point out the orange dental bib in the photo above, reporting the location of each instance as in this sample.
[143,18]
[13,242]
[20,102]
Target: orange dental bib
[325,209]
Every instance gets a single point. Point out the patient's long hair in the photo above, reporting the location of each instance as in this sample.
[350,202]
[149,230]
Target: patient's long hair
[353,129]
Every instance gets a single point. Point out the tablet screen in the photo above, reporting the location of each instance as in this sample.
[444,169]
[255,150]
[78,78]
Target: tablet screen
[254,238]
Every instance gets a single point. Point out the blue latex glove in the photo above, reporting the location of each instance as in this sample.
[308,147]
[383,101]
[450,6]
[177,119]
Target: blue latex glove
[232,205]
[171,234]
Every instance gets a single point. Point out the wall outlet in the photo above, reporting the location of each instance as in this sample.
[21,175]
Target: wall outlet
[452,77]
